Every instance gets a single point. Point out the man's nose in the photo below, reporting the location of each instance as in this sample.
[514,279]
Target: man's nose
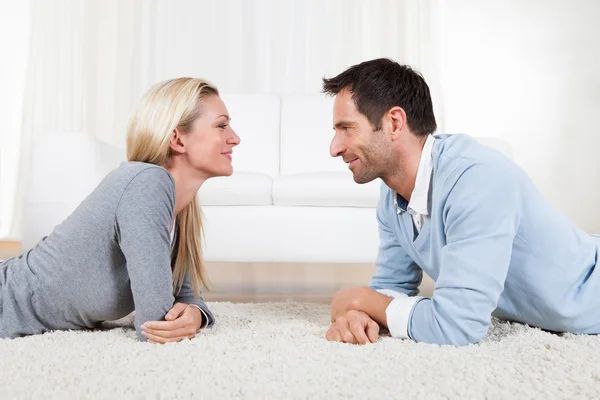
[336,148]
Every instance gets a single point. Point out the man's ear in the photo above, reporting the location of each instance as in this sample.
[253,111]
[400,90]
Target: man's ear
[176,143]
[397,117]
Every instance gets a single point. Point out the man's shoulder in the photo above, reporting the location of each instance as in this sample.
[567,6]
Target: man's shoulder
[468,171]
[465,148]
[457,153]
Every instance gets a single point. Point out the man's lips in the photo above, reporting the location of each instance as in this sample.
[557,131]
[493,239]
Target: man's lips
[351,162]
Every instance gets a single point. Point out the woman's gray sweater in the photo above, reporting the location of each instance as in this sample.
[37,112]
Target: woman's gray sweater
[111,256]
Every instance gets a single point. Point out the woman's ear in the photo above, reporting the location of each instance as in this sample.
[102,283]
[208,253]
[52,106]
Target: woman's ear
[176,143]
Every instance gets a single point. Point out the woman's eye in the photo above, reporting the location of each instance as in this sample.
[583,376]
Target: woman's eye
[223,126]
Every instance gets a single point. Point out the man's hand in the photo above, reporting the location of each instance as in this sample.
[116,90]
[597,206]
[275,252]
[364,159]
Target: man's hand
[347,299]
[362,299]
[355,327]
[182,321]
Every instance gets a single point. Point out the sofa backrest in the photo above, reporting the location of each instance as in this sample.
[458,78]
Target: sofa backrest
[64,169]
[255,118]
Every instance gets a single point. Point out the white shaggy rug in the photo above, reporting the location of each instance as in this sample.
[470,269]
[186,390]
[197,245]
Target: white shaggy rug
[278,350]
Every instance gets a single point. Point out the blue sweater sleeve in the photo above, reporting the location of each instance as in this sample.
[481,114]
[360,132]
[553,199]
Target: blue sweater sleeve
[481,214]
[395,270]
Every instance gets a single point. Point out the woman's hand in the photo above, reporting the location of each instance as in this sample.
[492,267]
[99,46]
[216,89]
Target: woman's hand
[182,321]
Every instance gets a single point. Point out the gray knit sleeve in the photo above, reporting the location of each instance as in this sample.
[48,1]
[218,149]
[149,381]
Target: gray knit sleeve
[186,295]
[143,221]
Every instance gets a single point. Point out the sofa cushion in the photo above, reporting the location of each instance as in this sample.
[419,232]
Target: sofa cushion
[239,189]
[290,234]
[325,189]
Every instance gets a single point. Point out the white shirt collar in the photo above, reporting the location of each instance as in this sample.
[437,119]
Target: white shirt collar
[420,195]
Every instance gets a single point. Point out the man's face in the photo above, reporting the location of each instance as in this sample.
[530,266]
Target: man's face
[365,151]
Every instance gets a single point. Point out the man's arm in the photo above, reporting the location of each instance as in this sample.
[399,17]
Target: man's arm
[396,273]
[482,217]
[397,276]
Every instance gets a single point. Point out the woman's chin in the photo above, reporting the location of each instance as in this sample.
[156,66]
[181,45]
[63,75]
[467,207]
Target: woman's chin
[224,172]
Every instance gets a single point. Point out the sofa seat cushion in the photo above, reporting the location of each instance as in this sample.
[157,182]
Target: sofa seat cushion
[324,189]
[239,189]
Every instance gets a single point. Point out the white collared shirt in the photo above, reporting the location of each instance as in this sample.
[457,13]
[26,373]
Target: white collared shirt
[398,311]
[419,198]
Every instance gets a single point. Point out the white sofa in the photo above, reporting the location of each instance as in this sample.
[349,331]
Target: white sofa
[287,201]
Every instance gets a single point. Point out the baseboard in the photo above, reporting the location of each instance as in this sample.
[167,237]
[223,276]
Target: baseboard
[290,281]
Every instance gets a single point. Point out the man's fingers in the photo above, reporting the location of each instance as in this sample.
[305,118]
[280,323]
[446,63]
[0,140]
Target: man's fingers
[358,330]
[348,337]
[336,335]
[329,335]
[372,331]
[343,326]
[175,311]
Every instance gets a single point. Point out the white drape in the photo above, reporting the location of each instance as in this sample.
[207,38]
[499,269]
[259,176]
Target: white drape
[91,60]
[14,40]
[515,70]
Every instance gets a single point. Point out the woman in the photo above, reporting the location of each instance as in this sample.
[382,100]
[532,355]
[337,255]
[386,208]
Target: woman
[134,243]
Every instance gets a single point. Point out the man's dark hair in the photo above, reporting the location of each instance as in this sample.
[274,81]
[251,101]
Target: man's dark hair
[380,84]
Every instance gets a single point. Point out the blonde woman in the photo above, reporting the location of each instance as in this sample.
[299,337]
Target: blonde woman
[134,244]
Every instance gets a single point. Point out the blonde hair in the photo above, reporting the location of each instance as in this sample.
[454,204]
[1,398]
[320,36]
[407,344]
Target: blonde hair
[167,105]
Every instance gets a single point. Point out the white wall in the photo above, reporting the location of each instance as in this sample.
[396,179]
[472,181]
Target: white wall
[529,72]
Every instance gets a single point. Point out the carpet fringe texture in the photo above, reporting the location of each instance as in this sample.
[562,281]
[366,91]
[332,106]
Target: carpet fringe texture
[279,351]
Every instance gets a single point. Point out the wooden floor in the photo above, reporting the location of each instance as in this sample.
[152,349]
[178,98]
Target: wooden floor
[8,249]
[265,282]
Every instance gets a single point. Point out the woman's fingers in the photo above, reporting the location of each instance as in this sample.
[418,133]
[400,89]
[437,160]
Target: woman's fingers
[168,334]
[162,340]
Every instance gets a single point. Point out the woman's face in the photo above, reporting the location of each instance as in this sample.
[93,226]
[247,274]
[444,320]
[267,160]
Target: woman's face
[209,143]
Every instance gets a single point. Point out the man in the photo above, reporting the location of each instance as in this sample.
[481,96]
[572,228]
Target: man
[463,213]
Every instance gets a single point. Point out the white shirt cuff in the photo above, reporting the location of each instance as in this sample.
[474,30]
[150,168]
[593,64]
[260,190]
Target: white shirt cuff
[392,293]
[398,314]
[205,319]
